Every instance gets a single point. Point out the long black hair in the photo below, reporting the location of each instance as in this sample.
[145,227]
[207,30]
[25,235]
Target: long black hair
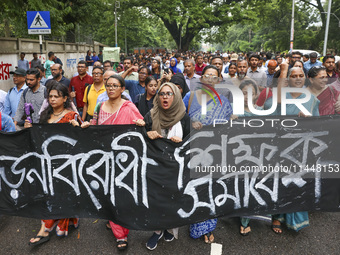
[178,79]
[63,92]
[159,66]
[149,79]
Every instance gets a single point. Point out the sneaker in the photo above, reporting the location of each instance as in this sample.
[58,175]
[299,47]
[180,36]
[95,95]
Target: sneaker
[153,240]
[168,237]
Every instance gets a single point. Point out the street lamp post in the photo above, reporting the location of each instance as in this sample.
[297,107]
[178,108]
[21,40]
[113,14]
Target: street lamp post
[117,5]
[125,43]
[327,27]
[292,29]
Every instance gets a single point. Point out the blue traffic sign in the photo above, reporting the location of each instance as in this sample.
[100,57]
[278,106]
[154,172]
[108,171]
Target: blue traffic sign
[38,22]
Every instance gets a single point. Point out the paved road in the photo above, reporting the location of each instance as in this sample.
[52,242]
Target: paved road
[322,237]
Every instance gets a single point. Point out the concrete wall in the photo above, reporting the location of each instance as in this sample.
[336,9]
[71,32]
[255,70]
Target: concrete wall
[69,53]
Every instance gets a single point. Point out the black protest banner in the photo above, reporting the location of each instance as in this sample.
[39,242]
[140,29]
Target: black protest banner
[116,172]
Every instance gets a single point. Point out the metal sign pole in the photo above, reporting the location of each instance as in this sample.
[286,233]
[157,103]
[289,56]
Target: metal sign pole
[292,29]
[40,41]
[327,27]
[117,5]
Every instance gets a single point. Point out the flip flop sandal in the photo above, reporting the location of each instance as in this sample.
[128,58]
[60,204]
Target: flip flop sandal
[122,248]
[277,227]
[43,239]
[208,236]
[107,225]
[244,228]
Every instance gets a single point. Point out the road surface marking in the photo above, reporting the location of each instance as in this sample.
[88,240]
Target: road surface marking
[216,249]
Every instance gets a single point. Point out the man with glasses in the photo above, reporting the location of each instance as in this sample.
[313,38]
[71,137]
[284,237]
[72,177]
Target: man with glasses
[296,55]
[78,84]
[104,97]
[92,92]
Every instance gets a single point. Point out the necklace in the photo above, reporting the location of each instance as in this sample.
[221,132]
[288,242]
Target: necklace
[59,113]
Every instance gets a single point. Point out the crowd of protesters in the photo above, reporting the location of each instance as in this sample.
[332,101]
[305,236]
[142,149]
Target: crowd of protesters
[161,92]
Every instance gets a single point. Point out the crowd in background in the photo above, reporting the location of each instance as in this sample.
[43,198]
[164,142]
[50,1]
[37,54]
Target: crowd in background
[163,92]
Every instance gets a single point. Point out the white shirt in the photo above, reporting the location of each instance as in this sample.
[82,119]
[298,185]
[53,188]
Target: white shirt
[3,95]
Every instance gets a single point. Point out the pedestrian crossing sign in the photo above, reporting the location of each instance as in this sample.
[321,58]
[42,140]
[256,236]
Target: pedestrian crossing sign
[38,22]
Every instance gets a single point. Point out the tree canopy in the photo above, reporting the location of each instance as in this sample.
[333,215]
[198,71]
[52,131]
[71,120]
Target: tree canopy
[182,24]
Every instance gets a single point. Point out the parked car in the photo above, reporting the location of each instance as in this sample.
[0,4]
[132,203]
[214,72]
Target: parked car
[308,52]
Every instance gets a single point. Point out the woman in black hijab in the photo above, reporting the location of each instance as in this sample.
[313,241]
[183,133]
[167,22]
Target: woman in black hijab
[179,80]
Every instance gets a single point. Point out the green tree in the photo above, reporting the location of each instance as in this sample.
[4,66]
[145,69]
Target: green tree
[185,19]
[268,28]
[14,16]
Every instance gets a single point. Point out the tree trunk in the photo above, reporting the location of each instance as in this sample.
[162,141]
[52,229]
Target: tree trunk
[7,29]
[182,42]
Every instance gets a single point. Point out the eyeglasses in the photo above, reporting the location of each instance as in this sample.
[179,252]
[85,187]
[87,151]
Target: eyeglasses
[163,94]
[80,67]
[109,86]
[213,77]
[97,74]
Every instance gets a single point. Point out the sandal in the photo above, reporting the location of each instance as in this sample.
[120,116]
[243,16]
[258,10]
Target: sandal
[244,231]
[209,238]
[108,226]
[42,239]
[276,227]
[122,245]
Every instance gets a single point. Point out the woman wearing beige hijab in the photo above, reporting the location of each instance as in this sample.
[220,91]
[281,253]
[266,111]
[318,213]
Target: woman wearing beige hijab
[167,119]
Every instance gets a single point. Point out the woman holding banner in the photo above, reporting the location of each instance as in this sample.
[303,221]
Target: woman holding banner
[57,111]
[328,96]
[115,111]
[167,119]
[218,107]
[296,79]
[245,84]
